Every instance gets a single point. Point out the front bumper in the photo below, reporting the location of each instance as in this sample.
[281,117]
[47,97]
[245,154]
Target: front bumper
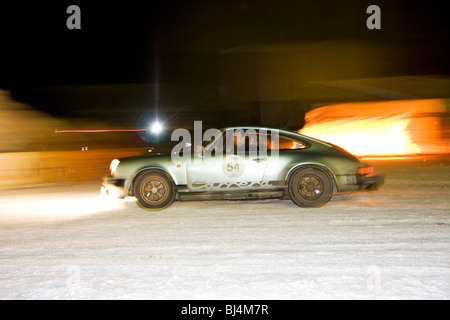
[113,187]
[371,181]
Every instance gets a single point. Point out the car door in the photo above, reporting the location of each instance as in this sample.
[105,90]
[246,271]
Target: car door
[282,153]
[226,166]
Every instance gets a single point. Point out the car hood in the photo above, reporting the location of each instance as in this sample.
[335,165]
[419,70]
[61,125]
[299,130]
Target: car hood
[162,156]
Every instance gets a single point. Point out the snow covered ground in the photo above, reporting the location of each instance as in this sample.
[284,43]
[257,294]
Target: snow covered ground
[65,242]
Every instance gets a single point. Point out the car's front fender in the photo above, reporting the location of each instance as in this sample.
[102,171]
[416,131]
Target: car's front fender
[129,184]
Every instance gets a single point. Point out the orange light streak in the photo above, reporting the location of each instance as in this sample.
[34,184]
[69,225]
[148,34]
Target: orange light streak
[390,128]
[374,136]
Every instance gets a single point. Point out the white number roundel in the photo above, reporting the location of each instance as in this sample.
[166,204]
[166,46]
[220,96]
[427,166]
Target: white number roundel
[233,166]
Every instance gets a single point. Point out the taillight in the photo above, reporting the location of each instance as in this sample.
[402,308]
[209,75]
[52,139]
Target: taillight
[364,171]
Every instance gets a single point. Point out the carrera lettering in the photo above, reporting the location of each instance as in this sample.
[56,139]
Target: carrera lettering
[230,185]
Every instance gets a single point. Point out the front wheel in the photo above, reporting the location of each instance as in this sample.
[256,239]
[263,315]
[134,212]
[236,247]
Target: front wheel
[310,187]
[154,190]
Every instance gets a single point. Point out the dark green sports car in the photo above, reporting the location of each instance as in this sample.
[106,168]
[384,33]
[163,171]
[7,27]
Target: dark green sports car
[242,163]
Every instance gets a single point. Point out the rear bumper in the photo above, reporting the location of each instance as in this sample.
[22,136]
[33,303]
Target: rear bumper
[113,187]
[356,182]
[371,181]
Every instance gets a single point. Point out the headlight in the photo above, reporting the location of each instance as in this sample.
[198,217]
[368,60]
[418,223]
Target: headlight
[113,166]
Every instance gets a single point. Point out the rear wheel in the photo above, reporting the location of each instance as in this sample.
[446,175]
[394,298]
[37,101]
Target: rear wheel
[154,190]
[310,187]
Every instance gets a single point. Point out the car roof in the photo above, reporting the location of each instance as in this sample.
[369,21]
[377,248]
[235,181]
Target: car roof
[257,128]
[291,134]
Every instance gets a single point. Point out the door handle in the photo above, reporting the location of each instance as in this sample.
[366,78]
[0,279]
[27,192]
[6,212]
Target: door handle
[260,159]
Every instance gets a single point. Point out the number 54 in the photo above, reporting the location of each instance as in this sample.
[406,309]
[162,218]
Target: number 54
[231,167]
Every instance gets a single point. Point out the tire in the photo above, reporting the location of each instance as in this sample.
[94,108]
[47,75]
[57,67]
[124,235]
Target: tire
[154,190]
[310,187]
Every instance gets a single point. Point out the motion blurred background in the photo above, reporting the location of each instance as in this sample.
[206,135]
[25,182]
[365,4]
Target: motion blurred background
[307,66]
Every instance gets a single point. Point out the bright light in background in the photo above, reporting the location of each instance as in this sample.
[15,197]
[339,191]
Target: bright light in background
[156,127]
[155,124]
[367,136]
[387,128]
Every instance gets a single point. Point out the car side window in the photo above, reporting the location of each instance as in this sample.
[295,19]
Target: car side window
[285,143]
[250,140]
[289,144]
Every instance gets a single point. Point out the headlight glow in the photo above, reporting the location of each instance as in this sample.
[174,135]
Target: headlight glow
[113,166]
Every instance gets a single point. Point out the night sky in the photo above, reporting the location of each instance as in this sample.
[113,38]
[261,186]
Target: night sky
[129,42]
